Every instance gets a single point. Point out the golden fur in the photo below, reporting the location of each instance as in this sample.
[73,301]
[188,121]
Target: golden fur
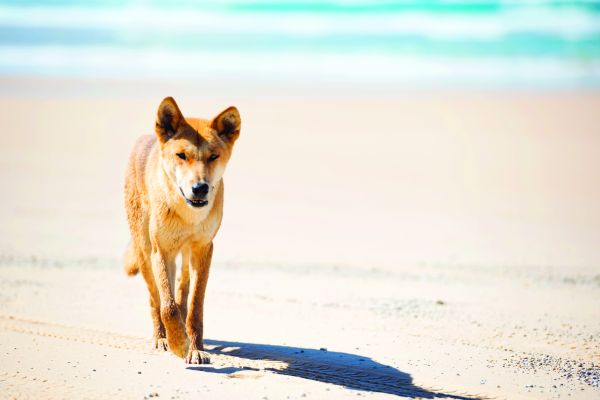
[174,203]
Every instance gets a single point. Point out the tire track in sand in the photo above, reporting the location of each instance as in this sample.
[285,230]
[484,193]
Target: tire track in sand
[311,364]
[117,341]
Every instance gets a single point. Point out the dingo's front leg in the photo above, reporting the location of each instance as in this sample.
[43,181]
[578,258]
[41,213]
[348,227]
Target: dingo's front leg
[163,266]
[199,266]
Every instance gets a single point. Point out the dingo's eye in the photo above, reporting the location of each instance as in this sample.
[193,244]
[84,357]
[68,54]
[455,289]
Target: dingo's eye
[182,156]
[213,157]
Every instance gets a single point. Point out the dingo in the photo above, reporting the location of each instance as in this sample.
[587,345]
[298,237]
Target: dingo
[174,204]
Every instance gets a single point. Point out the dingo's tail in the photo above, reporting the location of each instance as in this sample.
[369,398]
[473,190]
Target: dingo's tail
[131,266]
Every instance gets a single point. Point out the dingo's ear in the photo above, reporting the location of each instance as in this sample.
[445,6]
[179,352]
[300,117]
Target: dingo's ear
[228,124]
[168,119]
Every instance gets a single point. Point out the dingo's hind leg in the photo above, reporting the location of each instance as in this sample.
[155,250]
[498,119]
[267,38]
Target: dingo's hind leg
[159,335]
[181,297]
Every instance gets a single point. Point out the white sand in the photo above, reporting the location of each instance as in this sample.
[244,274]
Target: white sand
[447,239]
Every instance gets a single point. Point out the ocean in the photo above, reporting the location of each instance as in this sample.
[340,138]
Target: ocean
[433,43]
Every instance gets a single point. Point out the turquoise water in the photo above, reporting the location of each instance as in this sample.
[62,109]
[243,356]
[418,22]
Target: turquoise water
[547,43]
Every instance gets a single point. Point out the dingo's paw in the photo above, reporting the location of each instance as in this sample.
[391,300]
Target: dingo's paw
[197,357]
[160,344]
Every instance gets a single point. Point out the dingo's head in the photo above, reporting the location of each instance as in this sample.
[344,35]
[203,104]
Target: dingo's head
[194,153]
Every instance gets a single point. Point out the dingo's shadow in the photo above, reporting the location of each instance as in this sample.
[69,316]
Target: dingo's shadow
[349,370]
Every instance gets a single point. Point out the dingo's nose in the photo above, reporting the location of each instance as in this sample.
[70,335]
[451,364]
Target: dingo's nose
[200,189]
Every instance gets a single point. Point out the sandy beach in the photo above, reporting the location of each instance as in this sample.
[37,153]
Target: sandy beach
[428,244]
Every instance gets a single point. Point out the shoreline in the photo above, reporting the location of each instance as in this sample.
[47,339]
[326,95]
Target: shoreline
[134,88]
